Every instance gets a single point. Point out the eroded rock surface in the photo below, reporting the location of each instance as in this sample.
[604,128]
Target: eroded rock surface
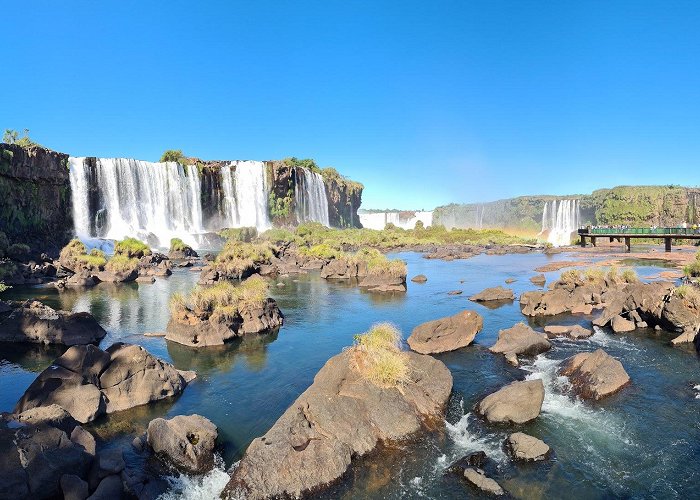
[187,441]
[340,417]
[516,403]
[491,294]
[520,340]
[594,375]
[446,334]
[525,447]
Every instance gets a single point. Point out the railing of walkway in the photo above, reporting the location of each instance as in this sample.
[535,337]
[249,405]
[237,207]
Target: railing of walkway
[656,231]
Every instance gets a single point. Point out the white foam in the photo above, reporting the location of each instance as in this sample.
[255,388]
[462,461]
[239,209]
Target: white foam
[206,487]
[467,439]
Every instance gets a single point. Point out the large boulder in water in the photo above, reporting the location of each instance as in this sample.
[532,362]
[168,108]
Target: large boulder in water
[186,441]
[190,329]
[594,375]
[34,322]
[491,294]
[516,403]
[571,331]
[446,334]
[520,340]
[88,382]
[341,417]
[525,447]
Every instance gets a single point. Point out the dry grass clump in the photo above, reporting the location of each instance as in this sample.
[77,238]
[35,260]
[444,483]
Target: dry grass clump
[629,276]
[594,275]
[379,264]
[76,251]
[177,245]
[693,269]
[223,299]
[571,277]
[122,264]
[131,247]
[689,294]
[378,356]
[237,256]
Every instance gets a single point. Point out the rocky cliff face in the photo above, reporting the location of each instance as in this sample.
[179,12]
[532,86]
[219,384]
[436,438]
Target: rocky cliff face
[36,200]
[631,205]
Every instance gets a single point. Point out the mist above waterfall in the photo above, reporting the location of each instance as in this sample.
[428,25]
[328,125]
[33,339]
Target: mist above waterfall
[404,220]
[560,219]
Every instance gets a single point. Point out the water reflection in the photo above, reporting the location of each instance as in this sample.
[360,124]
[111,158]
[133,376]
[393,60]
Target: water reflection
[251,348]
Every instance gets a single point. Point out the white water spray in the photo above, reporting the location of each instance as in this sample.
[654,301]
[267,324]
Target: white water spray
[560,218]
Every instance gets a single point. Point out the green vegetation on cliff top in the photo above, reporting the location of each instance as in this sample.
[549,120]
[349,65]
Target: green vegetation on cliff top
[12,137]
[329,174]
[175,155]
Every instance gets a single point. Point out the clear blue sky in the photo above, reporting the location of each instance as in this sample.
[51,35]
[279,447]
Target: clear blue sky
[424,102]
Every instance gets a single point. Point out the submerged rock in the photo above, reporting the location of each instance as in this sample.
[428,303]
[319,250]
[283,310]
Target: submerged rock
[594,375]
[34,322]
[571,331]
[520,340]
[538,280]
[478,479]
[342,416]
[446,334]
[187,441]
[516,403]
[495,293]
[525,447]
[89,382]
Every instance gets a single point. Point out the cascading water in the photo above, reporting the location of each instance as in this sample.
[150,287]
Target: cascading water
[311,198]
[245,194]
[559,219]
[136,198]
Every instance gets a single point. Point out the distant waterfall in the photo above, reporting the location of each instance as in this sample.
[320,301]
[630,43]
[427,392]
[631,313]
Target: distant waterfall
[311,198]
[560,218]
[151,201]
[379,220]
[245,194]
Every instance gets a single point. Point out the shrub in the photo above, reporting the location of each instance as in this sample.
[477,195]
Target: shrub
[7,269]
[378,356]
[276,235]
[131,247]
[4,287]
[94,260]
[322,251]
[689,294]
[419,225]
[613,276]
[174,155]
[245,234]
[177,245]
[73,249]
[390,226]
[378,263]
[12,137]
[76,252]
[121,263]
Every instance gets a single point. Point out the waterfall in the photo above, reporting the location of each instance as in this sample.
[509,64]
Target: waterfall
[151,201]
[560,218]
[311,198]
[379,220]
[246,194]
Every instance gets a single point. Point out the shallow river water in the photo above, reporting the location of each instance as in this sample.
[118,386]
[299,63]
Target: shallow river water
[642,442]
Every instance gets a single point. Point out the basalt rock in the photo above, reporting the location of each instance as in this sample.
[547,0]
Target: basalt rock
[478,479]
[520,340]
[594,375]
[490,294]
[383,283]
[34,322]
[419,278]
[446,334]
[341,417]
[186,441]
[524,447]
[571,331]
[89,382]
[516,403]
[210,329]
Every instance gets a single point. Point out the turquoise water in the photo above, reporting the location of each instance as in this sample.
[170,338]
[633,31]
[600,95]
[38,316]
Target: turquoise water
[641,442]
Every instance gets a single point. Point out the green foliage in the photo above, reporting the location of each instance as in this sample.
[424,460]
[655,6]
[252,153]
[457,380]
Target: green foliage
[7,269]
[175,155]
[278,235]
[17,251]
[238,256]
[76,252]
[279,208]
[12,137]
[131,247]
[4,287]
[692,270]
[245,234]
[122,263]
[177,245]
[419,225]
[321,251]
[302,163]
[4,244]
[224,298]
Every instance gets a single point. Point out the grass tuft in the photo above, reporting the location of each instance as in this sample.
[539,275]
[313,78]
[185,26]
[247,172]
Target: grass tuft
[378,356]
[122,264]
[131,247]
[222,299]
[689,294]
